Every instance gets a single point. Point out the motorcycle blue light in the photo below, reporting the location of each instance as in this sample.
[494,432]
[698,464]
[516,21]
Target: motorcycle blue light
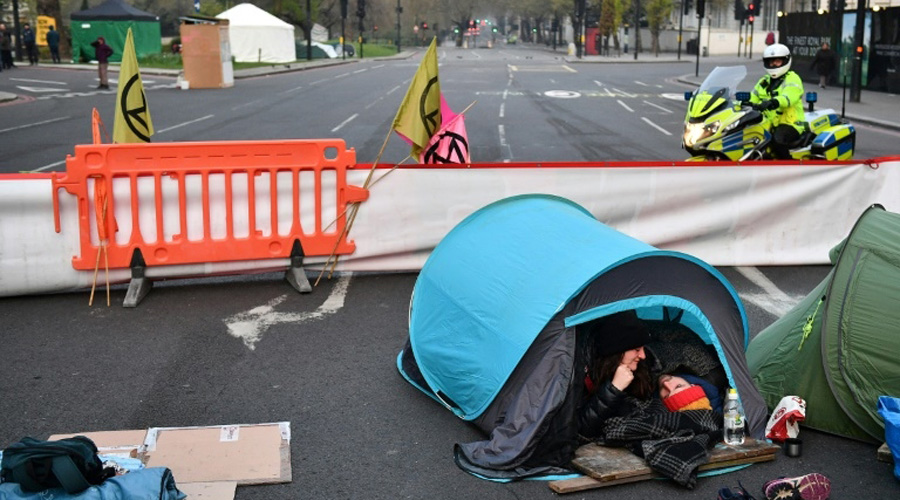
[812,97]
[687,95]
[742,96]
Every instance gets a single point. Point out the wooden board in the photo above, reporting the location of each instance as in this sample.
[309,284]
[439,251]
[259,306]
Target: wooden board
[605,466]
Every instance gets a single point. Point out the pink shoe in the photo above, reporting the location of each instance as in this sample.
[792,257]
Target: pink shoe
[813,486]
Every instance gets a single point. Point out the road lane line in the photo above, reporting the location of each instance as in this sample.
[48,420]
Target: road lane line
[657,127]
[360,71]
[29,125]
[641,83]
[502,108]
[323,80]
[348,120]
[45,167]
[626,94]
[288,91]
[173,127]
[246,104]
[658,106]
[624,105]
[599,84]
[389,92]
[379,66]
[51,82]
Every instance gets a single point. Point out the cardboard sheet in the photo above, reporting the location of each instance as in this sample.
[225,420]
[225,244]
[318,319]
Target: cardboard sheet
[245,454]
[219,490]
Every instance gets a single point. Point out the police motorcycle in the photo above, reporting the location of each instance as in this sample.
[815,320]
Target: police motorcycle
[721,124]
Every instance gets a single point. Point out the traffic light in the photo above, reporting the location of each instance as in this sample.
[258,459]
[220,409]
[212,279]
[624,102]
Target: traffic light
[751,9]
[360,8]
[701,8]
[739,14]
[688,5]
[424,25]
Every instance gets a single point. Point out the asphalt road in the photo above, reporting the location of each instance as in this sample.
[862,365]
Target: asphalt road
[530,105]
[326,361]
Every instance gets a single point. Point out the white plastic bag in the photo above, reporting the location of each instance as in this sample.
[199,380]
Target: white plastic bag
[785,420]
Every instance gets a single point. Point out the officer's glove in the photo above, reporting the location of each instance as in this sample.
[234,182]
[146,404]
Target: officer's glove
[768,105]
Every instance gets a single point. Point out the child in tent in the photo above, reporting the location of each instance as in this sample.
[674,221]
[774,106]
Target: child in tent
[681,392]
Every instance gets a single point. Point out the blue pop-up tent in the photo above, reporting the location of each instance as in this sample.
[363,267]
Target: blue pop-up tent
[494,322]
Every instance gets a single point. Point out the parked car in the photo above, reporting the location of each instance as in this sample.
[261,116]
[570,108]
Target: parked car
[347,47]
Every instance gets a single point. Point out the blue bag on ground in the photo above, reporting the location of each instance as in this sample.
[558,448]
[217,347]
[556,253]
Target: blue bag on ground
[889,408]
[153,483]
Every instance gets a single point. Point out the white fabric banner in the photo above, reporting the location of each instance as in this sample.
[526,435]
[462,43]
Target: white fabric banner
[724,215]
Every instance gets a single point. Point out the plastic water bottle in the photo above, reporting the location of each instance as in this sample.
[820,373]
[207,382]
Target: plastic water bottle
[734,419]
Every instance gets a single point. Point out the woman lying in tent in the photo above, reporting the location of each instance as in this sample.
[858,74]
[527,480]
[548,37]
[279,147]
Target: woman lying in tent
[622,404]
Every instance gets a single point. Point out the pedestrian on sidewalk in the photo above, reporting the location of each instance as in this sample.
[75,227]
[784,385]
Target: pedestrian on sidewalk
[823,64]
[6,59]
[53,44]
[102,53]
[30,41]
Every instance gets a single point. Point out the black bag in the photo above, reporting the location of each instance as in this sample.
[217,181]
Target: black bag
[37,465]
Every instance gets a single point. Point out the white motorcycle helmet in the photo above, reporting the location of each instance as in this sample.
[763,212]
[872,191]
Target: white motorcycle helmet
[773,53]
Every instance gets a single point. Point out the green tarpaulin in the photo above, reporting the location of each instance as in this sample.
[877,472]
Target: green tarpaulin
[111,20]
[839,349]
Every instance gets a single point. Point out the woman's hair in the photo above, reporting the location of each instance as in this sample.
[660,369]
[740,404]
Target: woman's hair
[604,368]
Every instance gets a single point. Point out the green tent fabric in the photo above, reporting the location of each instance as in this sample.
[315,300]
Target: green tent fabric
[111,20]
[848,356]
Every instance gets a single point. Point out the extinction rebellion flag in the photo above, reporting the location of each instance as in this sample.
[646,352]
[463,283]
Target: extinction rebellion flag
[419,116]
[132,122]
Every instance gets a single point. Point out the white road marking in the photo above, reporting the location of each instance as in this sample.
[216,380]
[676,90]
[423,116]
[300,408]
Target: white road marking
[599,84]
[562,94]
[173,127]
[658,106]
[29,125]
[246,104]
[38,90]
[250,325]
[777,308]
[641,83]
[774,300]
[672,97]
[502,132]
[502,108]
[360,71]
[626,94]
[341,75]
[570,69]
[379,66]
[319,81]
[657,127]
[624,105]
[45,167]
[288,91]
[348,120]
[389,92]
[50,82]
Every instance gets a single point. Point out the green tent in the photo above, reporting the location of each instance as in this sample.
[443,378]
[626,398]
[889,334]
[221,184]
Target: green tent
[111,20]
[839,349]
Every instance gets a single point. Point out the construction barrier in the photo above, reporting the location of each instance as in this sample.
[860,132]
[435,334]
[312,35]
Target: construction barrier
[726,214]
[199,202]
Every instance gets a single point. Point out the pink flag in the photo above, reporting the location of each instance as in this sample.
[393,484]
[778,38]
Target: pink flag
[450,144]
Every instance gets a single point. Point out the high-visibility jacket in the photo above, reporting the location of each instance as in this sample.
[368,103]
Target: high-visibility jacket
[788,91]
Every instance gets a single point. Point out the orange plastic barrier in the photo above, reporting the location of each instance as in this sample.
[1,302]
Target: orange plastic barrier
[93,169]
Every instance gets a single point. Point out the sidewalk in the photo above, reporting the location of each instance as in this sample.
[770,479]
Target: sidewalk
[238,74]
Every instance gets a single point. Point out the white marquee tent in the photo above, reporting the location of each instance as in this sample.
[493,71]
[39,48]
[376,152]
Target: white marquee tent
[257,36]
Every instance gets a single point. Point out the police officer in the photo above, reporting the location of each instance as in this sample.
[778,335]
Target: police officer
[779,95]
